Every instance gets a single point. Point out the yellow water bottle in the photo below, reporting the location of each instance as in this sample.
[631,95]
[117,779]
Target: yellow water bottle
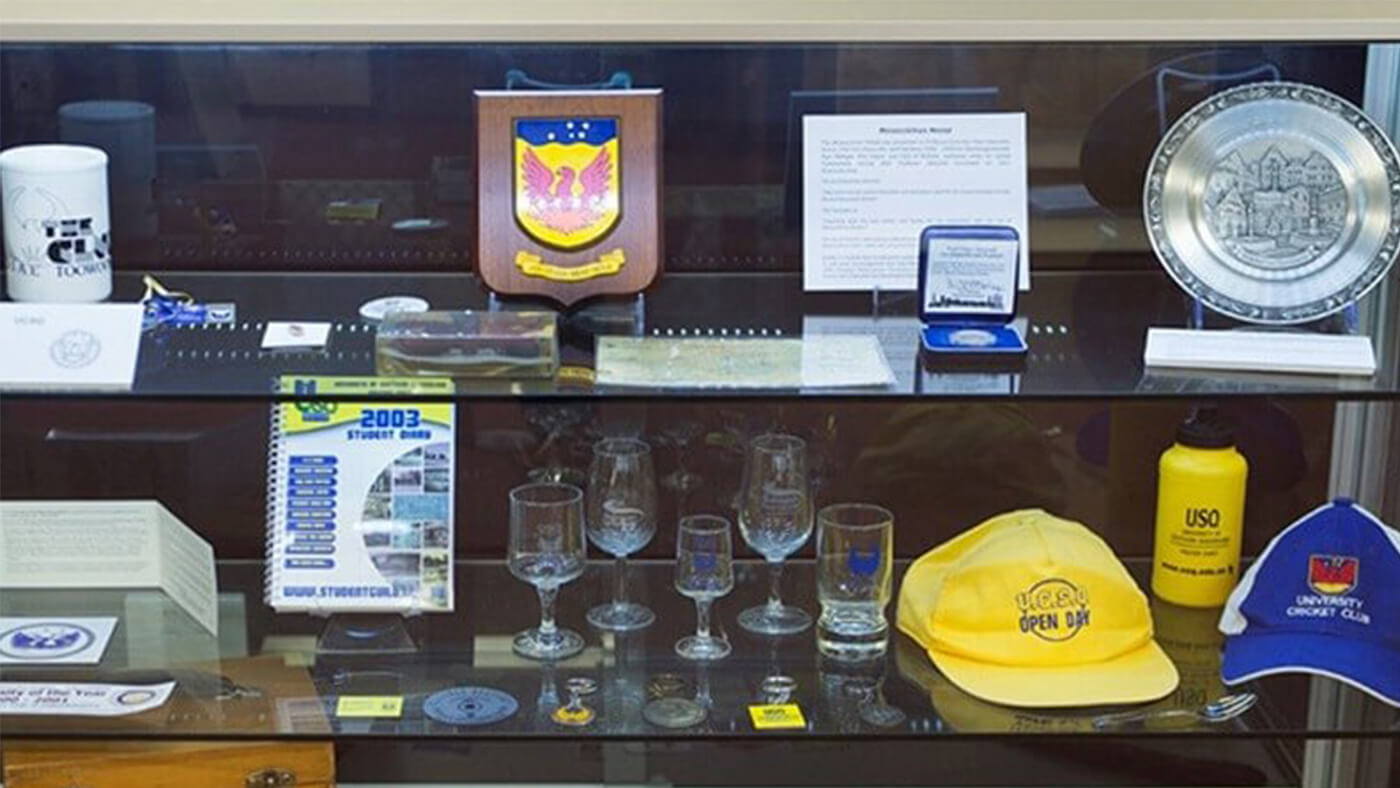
[1200,513]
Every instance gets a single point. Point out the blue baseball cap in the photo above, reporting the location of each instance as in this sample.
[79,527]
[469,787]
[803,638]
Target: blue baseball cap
[1323,598]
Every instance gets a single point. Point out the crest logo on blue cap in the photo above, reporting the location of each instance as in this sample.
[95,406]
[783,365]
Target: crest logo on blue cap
[1332,575]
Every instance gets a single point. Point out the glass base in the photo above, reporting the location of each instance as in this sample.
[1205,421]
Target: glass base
[780,620]
[702,648]
[560,644]
[852,632]
[624,617]
[366,633]
[844,647]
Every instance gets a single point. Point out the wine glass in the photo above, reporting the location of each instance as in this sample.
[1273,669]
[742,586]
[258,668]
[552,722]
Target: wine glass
[679,434]
[775,517]
[547,550]
[704,572]
[621,521]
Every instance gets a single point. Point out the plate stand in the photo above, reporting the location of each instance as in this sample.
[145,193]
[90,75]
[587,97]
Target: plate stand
[365,634]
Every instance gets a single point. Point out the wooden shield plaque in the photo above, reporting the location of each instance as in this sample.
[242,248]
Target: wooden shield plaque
[568,192]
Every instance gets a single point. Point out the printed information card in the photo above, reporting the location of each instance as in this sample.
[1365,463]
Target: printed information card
[872,183]
[108,544]
[82,700]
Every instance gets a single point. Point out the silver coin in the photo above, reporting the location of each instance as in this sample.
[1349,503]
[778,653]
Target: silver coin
[972,337]
[1274,203]
[674,713]
[375,311]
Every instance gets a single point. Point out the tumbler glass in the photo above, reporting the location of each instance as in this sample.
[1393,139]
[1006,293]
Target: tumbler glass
[547,550]
[855,542]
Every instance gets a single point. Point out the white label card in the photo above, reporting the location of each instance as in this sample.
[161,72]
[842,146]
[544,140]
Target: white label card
[69,345]
[970,276]
[55,641]
[872,183]
[308,335]
[82,700]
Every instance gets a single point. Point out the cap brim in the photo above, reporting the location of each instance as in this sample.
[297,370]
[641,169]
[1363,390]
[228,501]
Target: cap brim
[1366,666]
[1136,677]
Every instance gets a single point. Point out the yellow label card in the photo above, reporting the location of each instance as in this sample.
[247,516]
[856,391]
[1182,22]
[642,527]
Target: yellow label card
[776,716]
[369,706]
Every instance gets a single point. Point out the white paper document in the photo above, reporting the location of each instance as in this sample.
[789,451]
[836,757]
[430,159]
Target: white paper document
[1296,352]
[303,335]
[82,700]
[69,345]
[838,360]
[55,641]
[809,362]
[872,183]
[108,544]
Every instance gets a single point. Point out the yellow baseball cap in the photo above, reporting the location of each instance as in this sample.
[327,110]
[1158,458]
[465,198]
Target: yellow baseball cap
[1028,609]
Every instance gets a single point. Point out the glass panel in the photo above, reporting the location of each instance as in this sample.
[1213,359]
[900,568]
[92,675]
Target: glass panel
[472,647]
[1079,346]
[252,142]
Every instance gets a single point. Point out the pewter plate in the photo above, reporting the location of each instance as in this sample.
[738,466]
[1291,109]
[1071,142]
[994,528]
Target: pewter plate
[1274,203]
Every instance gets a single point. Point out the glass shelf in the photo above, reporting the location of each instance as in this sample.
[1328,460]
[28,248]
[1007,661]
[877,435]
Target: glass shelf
[1085,330]
[275,655]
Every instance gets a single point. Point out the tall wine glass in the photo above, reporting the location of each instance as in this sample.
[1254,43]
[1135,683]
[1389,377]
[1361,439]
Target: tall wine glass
[704,572]
[775,517]
[547,550]
[621,521]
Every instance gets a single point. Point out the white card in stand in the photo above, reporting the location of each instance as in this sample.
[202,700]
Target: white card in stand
[1260,351]
[80,346]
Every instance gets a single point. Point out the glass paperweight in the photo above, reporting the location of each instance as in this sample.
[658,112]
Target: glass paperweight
[465,344]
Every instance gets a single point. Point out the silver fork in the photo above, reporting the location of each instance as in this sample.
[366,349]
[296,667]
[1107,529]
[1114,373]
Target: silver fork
[1222,709]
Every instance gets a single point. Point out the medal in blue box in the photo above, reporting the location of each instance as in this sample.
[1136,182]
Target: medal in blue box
[967,291]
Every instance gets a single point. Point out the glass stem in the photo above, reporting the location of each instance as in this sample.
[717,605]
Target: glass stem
[775,584]
[620,582]
[702,618]
[547,596]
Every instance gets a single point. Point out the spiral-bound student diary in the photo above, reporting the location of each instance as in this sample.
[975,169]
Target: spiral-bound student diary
[359,497]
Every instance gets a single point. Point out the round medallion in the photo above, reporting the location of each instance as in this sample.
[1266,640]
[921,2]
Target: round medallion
[674,713]
[972,337]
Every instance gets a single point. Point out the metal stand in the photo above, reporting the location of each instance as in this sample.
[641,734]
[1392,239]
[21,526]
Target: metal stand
[366,634]
[1347,322]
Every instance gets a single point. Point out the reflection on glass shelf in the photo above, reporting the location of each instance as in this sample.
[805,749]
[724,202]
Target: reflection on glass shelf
[1085,331]
[274,685]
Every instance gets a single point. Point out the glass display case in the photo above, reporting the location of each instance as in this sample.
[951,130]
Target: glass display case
[299,177]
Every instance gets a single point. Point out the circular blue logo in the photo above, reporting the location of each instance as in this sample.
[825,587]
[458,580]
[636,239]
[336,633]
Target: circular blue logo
[469,706]
[46,640]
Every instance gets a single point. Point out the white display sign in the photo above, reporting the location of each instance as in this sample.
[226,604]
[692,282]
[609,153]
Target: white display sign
[108,544]
[69,345]
[872,183]
[55,641]
[82,700]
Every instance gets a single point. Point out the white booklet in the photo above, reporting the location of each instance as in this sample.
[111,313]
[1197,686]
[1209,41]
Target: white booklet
[108,544]
[360,498]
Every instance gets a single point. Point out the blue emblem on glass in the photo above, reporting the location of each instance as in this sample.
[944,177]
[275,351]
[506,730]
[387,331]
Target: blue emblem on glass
[863,564]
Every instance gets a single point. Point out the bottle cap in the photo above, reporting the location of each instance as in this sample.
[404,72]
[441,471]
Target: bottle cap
[1206,429]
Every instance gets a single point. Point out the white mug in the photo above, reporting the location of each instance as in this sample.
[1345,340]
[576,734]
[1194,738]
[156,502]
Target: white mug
[57,230]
